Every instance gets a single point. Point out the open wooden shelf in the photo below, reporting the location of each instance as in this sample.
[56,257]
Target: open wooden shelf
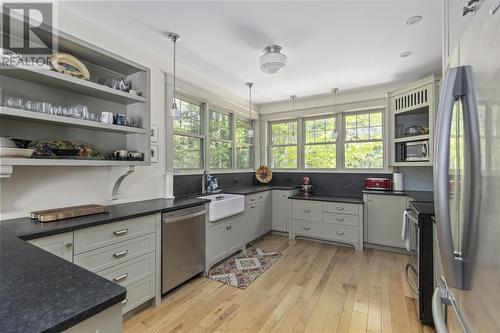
[54,79]
[11,113]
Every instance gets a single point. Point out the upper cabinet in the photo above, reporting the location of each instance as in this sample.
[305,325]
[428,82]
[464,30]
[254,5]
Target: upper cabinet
[411,122]
[41,104]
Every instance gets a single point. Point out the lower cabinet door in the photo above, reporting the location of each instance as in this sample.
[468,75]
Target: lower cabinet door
[60,245]
[216,243]
[138,293]
[279,211]
[253,216]
[384,219]
[234,235]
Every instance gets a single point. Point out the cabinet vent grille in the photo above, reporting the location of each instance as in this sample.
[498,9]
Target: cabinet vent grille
[411,100]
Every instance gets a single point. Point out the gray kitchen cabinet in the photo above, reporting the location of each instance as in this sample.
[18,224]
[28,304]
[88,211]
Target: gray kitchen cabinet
[223,239]
[331,221]
[60,245]
[384,216]
[257,221]
[281,206]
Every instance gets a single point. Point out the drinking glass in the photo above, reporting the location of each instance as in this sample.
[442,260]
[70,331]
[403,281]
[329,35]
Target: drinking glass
[30,106]
[57,110]
[44,107]
[14,102]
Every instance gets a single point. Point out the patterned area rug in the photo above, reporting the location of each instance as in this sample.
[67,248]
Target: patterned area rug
[242,269]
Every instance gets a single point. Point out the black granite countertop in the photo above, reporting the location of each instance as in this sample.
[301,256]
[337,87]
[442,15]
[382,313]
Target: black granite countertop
[256,188]
[40,292]
[424,196]
[329,198]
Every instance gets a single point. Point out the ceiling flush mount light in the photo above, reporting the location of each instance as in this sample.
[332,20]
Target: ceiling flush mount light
[272,61]
[413,20]
[406,54]
[250,132]
[174,110]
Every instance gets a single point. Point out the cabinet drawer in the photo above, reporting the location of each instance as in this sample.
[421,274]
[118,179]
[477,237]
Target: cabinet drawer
[307,210]
[326,231]
[111,255]
[138,293]
[131,271]
[343,219]
[342,208]
[255,197]
[107,234]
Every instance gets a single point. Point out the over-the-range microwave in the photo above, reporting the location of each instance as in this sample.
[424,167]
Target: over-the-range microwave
[415,151]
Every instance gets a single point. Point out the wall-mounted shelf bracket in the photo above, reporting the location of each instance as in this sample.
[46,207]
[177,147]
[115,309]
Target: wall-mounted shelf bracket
[116,187]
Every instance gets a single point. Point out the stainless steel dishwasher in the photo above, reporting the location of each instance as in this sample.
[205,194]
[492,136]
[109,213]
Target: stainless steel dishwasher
[183,246]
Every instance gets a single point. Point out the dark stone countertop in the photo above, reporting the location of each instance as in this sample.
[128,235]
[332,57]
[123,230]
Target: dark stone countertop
[424,196]
[256,188]
[40,292]
[329,198]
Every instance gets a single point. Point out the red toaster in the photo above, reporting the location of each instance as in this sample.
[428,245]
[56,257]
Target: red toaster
[383,184]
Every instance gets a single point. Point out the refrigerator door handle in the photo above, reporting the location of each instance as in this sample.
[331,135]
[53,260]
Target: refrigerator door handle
[472,178]
[449,94]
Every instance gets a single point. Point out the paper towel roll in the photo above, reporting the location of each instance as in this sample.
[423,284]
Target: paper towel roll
[397,181]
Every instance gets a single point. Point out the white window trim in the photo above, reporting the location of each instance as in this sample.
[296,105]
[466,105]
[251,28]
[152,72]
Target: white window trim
[299,138]
[192,135]
[384,143]
[335,142]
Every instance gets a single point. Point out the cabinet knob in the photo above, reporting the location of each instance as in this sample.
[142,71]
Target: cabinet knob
[306,228]
[253,206]
[340,208]
[124,301]
[339,219]
[468,9]
[252,199]
[229,228]
[306,210]
[340,233]
[69,245]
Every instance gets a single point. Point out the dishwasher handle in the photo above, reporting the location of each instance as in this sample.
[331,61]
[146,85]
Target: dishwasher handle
[169,219]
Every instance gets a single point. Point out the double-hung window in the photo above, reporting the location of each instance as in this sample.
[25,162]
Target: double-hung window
[188,136]
[283,147]
[221,142]
[244,144]
[320,147]
[363,141]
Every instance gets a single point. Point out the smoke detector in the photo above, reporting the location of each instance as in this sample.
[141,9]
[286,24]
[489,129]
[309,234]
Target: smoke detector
[272,61]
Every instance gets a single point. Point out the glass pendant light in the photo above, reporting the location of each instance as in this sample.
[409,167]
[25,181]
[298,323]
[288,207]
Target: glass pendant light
[334,92]
[250,132]
[174,110]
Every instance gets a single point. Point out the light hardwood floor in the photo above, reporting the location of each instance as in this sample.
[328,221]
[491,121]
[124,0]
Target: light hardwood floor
[314,287]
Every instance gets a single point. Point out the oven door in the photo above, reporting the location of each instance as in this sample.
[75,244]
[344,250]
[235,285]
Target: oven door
[412,267]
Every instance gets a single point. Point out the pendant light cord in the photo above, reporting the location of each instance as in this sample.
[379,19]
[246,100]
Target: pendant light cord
[175,42]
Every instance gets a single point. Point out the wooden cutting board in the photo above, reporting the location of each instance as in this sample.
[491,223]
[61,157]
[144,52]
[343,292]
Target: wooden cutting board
[68,212]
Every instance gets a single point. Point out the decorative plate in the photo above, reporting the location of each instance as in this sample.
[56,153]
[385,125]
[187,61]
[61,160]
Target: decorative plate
[69,65]
[264,174]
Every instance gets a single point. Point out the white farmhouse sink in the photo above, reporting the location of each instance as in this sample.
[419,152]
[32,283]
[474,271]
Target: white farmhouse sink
[224,205]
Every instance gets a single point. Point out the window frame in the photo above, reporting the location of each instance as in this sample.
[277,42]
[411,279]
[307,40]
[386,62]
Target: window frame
[382,139]
[249,145]
[211,139]
[335,143]
[340,142]
[200,136]
[270,146]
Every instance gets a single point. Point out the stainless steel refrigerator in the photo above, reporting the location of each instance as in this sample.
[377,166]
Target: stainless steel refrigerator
[467,181]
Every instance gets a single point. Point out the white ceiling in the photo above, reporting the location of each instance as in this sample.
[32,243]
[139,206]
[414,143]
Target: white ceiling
[345,44]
